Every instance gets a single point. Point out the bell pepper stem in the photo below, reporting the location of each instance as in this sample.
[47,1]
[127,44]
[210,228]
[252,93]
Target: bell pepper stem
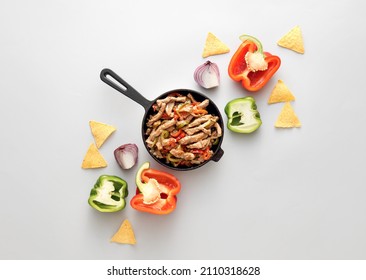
[245,37]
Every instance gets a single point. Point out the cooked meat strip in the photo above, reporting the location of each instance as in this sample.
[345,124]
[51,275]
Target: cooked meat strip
[159,145]
[184,121]
[202,144]
[204,104]
[217,133]
[178,153]
[157,116]
[168,99]
[189,118]
[156,124]
[157,131]
[200,120]
[168,124]
[157,153]
[169,109]
[150,143]
[167,142]
[148,131]
[203,127]
[192,138]
[187,108]
[218,129]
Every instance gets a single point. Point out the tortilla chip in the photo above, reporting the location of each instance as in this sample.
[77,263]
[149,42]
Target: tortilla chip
[214,46]
[93,159]
[293,40]
[101,132]
[287,117]
[280,93]
[125,234]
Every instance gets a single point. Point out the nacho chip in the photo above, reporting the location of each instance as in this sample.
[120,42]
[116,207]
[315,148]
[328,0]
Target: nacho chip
[280,93]
[93,158]
[293,40]
[125,234]
[287,117]
[214,46]
[101,132]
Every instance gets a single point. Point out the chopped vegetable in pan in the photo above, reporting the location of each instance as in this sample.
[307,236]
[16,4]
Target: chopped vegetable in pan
[182,131]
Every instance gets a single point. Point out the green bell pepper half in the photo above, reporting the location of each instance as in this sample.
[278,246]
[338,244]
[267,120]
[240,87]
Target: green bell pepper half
[108,194]
[243,116]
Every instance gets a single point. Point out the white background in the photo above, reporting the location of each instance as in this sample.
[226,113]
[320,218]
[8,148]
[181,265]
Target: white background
[275,194]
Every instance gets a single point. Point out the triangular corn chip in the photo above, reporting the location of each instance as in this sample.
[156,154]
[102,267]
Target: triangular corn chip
[125,234]
[214,46]
[287,117]
[280,93]
[93,159]
[101,132]
[293,40]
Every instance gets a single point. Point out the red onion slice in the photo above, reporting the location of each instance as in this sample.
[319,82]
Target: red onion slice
[126,155]
[207,75]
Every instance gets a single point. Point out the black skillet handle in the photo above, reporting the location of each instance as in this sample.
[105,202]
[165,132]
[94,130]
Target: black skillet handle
[216,157]
[116,82]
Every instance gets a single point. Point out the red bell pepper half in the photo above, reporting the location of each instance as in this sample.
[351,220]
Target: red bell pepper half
[156,191]
[251,66]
